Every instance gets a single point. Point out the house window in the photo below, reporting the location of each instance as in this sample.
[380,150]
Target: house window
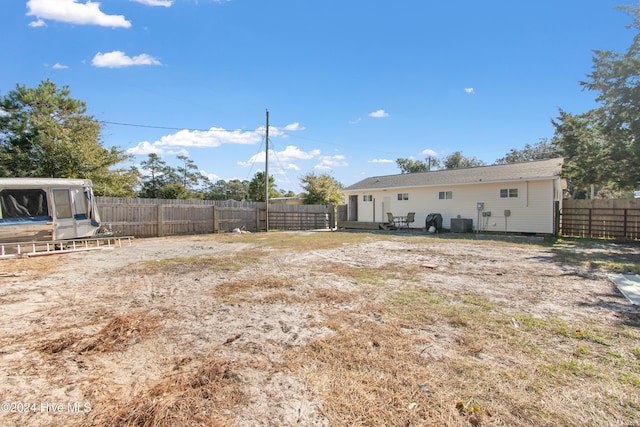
[508,193]
[445,195]
[367,198]
[403,196]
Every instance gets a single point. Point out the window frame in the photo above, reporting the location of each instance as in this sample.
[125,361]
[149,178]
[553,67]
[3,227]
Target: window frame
[508,193]
[63,206]
[403,196]
[445,193]
[23,203]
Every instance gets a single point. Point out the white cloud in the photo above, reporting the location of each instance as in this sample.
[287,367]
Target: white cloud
[212,176]
[356,121]
[379,114]
[59,66]
[429,152]
[293,127]
[281,132]
[283,158]
[381,161]
[330,162]
[38,23]
[294,153]
[164,3]
[72,12]
[215,137]
[469,90]
[144,148]
[118,59]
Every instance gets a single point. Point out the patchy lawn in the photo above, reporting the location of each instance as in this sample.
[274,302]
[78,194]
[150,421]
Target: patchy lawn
[339,329]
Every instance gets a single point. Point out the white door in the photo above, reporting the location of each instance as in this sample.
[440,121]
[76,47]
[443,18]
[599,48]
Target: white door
[386,206]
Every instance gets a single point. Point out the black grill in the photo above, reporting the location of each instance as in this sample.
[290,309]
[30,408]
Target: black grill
[434,220]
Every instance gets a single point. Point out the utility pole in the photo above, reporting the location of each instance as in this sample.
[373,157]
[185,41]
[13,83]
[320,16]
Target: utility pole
[266,177]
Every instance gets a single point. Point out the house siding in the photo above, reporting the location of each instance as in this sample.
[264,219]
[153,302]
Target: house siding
[531,212]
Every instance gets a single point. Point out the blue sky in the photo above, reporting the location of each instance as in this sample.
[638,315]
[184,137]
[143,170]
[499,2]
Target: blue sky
[350,85]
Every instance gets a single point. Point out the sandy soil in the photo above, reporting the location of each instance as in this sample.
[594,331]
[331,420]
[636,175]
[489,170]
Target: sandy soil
[83,334]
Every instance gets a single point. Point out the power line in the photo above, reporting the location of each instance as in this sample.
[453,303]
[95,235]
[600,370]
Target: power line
[224,130]
[255,159]
[282,168]
[162,127]
[292,136]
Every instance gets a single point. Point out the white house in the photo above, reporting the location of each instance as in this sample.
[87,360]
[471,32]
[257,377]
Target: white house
[515,198]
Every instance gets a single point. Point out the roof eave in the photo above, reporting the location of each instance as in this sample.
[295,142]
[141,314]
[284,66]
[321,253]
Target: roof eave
[499,181]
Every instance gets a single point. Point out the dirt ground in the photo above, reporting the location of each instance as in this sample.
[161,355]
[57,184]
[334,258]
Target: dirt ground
[237,330]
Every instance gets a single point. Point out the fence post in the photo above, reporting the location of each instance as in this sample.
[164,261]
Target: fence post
[160,220]
[216,224]
[556,225]
[136,216]
[332,217]
[258,219]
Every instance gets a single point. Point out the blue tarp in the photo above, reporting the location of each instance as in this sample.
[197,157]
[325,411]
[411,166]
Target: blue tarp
[23,220]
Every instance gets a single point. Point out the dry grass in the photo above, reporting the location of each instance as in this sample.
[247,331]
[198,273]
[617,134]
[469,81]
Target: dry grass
[429,356]
[332,296]
[398,346]
[244,290]
[380,276]
[60,344]
[27,269]
[516,362]
[306,242]
[222,262]
[368,373]
[426,357]
[204,396]
[121,332]
[321,295]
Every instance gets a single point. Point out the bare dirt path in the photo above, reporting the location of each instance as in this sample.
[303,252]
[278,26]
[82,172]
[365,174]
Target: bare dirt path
[247,330]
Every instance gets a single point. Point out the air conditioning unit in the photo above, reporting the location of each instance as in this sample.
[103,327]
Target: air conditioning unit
[461,225]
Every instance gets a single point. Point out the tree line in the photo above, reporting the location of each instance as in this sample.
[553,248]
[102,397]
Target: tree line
[44,132]
[542,149]
[162,181]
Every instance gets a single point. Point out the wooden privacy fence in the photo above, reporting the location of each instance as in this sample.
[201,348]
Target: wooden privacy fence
[607,218]
[297,220]
[161,217]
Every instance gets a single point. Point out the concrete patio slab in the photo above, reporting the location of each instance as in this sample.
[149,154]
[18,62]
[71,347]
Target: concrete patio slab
[629,285]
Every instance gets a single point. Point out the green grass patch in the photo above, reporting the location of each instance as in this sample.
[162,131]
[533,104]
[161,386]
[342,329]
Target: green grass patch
[597,255]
